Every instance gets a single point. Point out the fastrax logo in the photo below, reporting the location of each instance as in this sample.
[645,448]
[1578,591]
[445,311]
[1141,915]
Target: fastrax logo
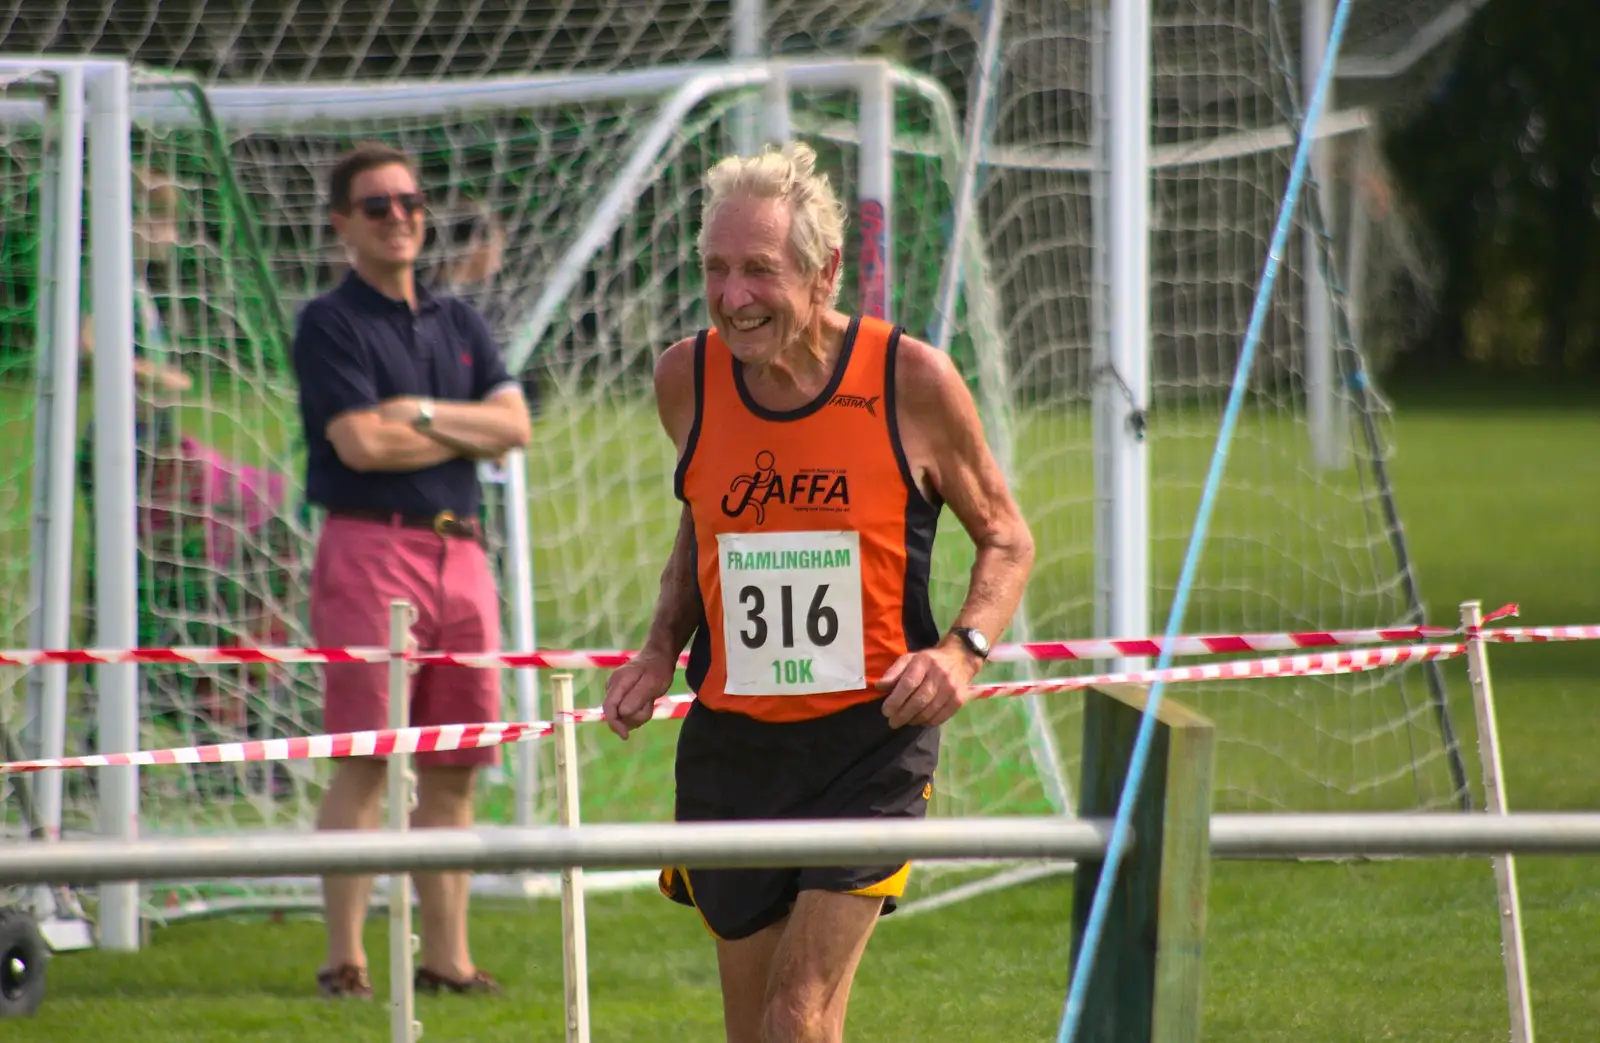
[856,402]
[808,489]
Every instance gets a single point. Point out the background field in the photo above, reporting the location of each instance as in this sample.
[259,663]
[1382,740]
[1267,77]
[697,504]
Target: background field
[1499,488]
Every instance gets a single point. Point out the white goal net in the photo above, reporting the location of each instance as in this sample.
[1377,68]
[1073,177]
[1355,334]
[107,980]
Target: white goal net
[521,144]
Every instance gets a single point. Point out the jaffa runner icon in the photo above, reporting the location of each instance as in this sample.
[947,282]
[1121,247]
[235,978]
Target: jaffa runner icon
[808,489]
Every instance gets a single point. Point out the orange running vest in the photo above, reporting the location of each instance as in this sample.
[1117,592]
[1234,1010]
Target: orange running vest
[812,541]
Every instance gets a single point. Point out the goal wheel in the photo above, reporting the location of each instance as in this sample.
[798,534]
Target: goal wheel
[23,955]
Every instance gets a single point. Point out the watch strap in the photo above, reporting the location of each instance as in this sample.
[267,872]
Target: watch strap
[974,641]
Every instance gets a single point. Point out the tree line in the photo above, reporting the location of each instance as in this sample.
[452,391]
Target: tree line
[1500,166]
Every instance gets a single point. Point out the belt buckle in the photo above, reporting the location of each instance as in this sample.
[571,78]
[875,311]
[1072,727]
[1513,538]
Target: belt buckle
[442,521]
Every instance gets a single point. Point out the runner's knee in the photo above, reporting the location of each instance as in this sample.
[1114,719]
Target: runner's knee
[797,1011]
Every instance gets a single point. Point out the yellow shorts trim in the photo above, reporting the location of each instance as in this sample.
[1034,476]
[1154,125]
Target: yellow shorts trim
[890,887]
[665,883]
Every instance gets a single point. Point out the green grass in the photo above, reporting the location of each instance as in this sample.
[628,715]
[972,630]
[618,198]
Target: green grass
[1498,495]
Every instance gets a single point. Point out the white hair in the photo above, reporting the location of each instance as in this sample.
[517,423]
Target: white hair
[816,230]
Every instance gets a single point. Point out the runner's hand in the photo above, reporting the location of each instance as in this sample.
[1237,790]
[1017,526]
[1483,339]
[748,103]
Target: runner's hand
[632,691]
[928,687]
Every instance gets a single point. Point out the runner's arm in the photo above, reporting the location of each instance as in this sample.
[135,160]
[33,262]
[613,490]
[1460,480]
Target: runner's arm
[632,689]
[677,611]
[678,606]
[933,401]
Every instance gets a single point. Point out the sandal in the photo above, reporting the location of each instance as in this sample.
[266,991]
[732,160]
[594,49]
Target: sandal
[344,980]
[479,984]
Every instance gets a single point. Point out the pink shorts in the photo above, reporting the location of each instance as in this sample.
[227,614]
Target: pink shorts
[361,566]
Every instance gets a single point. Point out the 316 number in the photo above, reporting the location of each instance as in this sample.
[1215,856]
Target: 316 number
[822,622]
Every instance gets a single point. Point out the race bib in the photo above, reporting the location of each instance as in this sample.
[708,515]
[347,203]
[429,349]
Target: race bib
[791,612]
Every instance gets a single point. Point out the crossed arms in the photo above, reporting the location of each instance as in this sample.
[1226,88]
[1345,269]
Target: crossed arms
[339,394]
[384,439]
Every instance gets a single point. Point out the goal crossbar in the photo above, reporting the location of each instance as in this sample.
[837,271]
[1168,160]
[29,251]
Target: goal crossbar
[267,107]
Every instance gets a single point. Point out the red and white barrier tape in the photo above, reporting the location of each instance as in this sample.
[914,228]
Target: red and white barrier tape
[1526,635]
[609,659]
[471,736]
[200,655]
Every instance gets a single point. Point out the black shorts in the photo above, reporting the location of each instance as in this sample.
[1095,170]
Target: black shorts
[851,764]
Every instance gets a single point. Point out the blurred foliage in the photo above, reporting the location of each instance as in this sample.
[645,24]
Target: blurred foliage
[1502,167]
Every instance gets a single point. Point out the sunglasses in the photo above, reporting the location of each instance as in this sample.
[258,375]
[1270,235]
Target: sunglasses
[376,208]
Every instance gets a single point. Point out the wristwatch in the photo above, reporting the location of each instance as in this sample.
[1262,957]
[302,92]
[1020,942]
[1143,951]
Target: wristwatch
[973,638]
[424,418]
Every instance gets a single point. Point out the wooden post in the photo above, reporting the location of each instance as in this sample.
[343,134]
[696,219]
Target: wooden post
[403,1024]
[1513,949]
[1147,974]
[574,933]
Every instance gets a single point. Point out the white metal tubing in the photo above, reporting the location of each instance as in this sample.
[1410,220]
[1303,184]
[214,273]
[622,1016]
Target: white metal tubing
[1315,308]
[775,123]
[116,606]
[875,193]
[1355,260]
[789,843]
[1382,834]
[1184,154]
[374,102]
[1121,393]
[1419,45]
[58,452]
[1103,389]
[618,201]
[749,19]
[512,849]
[524,629]
[1513,951]
[574,933]
[274,107]
[402,999]
[944,312]
[39,531]
[52,63]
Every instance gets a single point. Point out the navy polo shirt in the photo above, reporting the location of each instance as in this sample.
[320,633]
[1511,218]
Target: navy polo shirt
[355,347]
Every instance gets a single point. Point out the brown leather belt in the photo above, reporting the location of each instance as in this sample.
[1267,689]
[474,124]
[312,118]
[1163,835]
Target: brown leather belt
[445,523]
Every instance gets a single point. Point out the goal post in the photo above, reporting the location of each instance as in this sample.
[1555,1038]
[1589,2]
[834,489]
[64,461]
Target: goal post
[91,124]
[56,102]
[59,196]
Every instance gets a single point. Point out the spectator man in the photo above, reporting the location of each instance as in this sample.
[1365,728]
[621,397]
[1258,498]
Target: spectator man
[402,391]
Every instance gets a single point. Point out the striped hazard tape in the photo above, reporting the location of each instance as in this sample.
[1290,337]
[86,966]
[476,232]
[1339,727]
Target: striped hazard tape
[470,736]
[608,659]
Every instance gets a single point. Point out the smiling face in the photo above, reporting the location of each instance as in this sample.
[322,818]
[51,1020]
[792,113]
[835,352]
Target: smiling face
[759,295]
[383,227]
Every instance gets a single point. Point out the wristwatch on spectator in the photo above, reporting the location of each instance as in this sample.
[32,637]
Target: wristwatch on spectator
[424,417]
